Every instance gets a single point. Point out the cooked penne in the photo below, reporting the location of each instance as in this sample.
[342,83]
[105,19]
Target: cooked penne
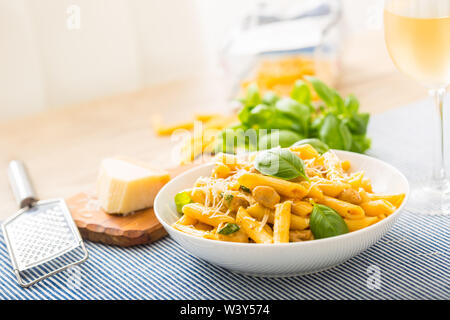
[283,187]
[378,207]
[221,171]
[203,226]
[305,151]
[345,209]
[313,198]
[356,224]
[297,235]
[238,236]
[330,187]
[191,230]
[187,221]
[253,228]
[282,222]
[395,199]
[259,212]
[206,215]
[301,208]
[313,190]
[345,165]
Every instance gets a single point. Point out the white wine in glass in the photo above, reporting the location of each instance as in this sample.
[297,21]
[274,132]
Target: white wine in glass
[417,34]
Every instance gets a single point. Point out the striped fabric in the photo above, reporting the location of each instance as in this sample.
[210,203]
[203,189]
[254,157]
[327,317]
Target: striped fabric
[410,262]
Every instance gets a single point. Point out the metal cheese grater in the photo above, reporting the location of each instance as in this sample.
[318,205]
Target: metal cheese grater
[40,232]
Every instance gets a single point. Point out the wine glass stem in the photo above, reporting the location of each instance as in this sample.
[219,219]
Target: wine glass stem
[439,173]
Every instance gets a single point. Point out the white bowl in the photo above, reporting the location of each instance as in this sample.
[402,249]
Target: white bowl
[288,258]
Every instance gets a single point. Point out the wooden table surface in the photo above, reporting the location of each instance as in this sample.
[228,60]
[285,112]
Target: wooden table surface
[63,147]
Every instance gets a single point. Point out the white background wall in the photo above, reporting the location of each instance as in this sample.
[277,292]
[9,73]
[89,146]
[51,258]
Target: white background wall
[121,45]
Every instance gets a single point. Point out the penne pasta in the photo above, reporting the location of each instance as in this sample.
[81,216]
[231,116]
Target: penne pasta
[187,221]
[329,187]
[259,212]
[345,209]
[252,227]
[239,203]
[301,208]
[221,170]
[395,199]
[375,208]
[283,187]
[191,230]
[282,222]
[356,224]
[206,215]
[297,235]
[238,236]
[305,151]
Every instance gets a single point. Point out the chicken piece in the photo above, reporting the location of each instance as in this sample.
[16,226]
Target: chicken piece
[350,195]
[267,196]
[233,201]
[300,235]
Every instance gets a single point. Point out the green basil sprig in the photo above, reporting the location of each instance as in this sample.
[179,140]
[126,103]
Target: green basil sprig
[334,120]
[280,163]
[326,222]
[278,138]
[181,199]
[229,229]
[315,143]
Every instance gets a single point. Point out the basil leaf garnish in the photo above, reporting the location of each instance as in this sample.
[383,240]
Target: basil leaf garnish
[280,163]
[326,222]
[315,143]
[229,229]
[181,199]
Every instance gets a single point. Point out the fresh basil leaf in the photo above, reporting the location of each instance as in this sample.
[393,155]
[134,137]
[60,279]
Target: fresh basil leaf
[315,126]
[360,144]
[280,163]
[232,141]
[339,103]
[278,138]
[323,91]
[281,122]
[261,114]
[326,222]
[346,136]
[329,132]
[294,110]
[244,114]
[315,143]
[229,229]
[335,133]
[253,97]
[351,104]
[270,98]
[358,123]
[301,92]
[181,199]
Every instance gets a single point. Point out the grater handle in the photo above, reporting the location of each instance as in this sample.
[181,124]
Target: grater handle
[21,184]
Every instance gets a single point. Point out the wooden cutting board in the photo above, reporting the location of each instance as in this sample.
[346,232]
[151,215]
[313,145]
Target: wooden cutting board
[98,226]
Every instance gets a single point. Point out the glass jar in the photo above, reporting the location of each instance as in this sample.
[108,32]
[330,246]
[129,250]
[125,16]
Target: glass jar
[281,41]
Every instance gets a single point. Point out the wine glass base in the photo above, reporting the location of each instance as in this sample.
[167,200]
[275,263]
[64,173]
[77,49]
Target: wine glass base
[430,198]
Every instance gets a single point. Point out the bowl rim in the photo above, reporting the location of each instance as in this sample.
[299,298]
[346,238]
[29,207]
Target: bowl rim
[353,234]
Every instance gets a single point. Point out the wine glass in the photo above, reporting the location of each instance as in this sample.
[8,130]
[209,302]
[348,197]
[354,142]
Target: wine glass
[417,34]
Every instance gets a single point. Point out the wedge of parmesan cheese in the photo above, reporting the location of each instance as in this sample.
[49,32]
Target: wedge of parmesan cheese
[125,185]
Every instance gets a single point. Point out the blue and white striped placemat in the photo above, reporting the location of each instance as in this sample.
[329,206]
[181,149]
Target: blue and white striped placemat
[410,262]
